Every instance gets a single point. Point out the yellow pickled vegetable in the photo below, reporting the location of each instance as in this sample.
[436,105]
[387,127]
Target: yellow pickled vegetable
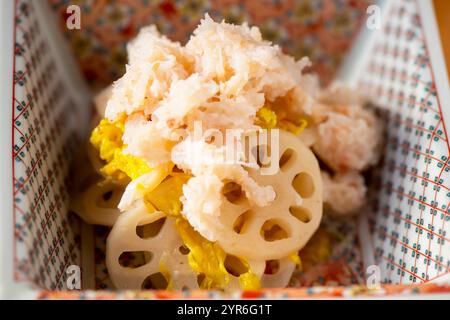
[166,273]
[249,281]
[107,138]
[204,257]
[296,259]
[269,119]
[125,165]
[208,258]
[266,118]
[295,127]
[318,249]
[166,197]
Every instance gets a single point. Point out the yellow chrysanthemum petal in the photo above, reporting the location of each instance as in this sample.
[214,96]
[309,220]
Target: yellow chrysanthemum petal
[266,118]
[166,197]
[296,259]
[107,139]
[249,281]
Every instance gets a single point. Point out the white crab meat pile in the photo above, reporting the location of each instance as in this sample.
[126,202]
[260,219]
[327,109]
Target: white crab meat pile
[221,78]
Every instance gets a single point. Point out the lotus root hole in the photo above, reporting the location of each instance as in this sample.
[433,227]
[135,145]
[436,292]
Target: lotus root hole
[134,259]
[272,231]
[287,159]
[155,281]
[301,213]
[150,230]
[241,222]
[235,266]
[304,185]
[233,192]
[272,267]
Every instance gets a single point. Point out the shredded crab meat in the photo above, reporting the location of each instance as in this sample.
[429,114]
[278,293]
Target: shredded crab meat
[154,64]
[142,140]
[240,60]
[340,94]
[347,143]
[344,193]
[213,162]
[233,74]
[349,134]
[221,78]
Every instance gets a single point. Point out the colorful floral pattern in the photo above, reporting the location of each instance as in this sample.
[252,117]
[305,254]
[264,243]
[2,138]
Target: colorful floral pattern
[316,292]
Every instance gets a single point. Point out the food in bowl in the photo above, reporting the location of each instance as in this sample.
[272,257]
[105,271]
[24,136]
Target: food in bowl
[212,162]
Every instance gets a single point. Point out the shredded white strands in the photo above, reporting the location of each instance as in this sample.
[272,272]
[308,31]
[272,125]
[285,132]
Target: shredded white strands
[183,98]
[242,63]
[143,140]
[347,143]
[344,193]
[350,136]
[154,63]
